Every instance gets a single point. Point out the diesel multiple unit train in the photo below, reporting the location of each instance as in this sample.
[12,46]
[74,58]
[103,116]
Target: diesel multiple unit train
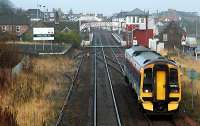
[154,78]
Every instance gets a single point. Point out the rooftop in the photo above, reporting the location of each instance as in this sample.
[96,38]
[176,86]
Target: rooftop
[13,20]
[136,12]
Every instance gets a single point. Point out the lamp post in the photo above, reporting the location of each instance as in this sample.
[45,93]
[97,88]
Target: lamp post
[44,12]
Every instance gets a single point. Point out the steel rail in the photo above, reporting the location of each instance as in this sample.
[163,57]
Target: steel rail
[111,87]
[95,87]
[117,61]
[59,121]
[104,46]
[111,66]
[147,120]
[117,58]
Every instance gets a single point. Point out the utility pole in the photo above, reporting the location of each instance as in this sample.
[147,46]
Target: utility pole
[196,26]
[37,9]
[44,12]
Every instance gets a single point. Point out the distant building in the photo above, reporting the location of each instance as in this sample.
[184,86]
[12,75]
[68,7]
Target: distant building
[119,17]
[100,16]
[139,28]
[35,14]
[137,18]
[51,16]
[172,36]
[174,15]
[14,24]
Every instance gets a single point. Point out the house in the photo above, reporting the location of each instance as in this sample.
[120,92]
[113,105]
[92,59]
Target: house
[172,36]
[35,14]
[174,15]
[139,28]
[119,17]
[14,24]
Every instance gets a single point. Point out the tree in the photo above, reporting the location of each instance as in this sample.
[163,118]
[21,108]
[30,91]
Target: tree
[69,37]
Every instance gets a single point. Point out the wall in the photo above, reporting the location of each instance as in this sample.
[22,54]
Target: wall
[12,28]
[143,36]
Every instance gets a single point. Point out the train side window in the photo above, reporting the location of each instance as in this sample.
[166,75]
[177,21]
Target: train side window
[173,80]
[148,80]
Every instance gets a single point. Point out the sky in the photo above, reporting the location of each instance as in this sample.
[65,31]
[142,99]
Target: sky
[108,7]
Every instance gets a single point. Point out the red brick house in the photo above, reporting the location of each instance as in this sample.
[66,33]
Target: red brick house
[14,24]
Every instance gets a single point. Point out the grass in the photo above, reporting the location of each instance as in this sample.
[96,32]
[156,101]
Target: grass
[187,63]
[36,95]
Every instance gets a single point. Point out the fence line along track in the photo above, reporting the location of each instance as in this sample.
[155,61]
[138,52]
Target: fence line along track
[59,121]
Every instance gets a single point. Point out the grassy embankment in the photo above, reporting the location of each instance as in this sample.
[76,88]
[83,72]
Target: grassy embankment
[187,63]
[34,97]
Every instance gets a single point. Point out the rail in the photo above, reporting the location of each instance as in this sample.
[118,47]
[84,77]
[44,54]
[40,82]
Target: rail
[117,60]
[111,87]
[59,121]
[95,88]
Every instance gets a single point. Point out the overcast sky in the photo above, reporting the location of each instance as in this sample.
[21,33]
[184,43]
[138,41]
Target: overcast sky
[109,7]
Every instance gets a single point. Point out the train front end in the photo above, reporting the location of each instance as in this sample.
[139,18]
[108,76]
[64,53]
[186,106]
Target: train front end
[160,90]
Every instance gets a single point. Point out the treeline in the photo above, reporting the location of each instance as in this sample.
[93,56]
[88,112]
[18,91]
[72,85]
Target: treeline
[69,37]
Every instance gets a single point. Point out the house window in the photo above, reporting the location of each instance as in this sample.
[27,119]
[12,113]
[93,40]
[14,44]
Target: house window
[129,19]
[142,20]
[17,28]
[133,20]
[165,37]
[138,19]
[3,28]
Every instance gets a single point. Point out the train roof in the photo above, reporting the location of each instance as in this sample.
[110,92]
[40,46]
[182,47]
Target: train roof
[144,56]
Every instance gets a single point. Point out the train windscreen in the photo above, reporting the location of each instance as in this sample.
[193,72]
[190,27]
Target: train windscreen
[148,80]
[173,80]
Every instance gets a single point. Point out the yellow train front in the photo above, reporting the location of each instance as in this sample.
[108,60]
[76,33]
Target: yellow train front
[155,80]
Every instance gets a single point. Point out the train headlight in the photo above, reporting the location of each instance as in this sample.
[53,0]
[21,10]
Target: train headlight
[174,91]
[147,91]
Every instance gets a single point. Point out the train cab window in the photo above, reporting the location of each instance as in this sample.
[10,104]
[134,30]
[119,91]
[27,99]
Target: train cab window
[148,80]
[173,80]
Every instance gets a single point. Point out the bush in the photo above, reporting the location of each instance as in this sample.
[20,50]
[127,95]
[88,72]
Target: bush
[69,37]
[6,36]
[27,37]
[9,56]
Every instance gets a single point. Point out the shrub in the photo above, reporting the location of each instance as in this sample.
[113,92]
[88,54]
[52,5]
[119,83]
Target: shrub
[69,37]
[27,37]
[9,56]
[6,36]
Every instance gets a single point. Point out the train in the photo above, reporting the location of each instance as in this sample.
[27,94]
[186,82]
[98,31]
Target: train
[155,80]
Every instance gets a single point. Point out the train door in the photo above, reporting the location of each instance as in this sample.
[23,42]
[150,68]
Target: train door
[161,84]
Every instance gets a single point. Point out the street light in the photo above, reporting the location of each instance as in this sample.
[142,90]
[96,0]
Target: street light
[44,12]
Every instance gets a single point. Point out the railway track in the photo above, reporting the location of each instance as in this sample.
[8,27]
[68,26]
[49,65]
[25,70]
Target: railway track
[104,97]
[115,51]
[159,120]
[68,95]
[106,81]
